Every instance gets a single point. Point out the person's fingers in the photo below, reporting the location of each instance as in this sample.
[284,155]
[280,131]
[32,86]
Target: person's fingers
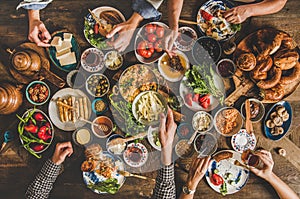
[206,163]
[42,44]
[63,145]
[115,30]
[231,19]
[66,152]
[228,13]
[46,35]
[170,117]
[265,159]
[254,170]
[162,125]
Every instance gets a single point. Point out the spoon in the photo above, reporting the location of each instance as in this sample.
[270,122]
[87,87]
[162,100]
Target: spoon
[123,140]
[240,78]
[8,136]
[92,123]
[249,127]
[127,174]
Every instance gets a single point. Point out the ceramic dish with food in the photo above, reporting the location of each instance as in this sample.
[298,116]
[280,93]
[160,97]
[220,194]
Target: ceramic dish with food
[76,79]
[257,110]
[94,33]
[113,60]
[226,68]
[92,60]
[173,69]
[184,130]
[212,23]
[278,120]
[183,149]
[243,141]
[116,149]
[135,155]
[205,144]
[148,42]
[136,79]
[37,92]
[82,136]
[206,50]
[61,106]
[228,121]
[197,93]
[186,38]
[102,126]
[64,51]
[106,179]
[99,106]
[153,137]
[36,131]
[223,175]
[202,121]
[147,107]
[97,85]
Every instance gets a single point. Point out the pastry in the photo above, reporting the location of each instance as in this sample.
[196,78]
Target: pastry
[223,155]
[286,59]
[274,94]
[264,64]
[292,77]
[272,81]
[246,61]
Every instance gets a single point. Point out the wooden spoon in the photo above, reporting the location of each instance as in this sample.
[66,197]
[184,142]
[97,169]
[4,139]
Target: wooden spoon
[188,22]
[123,140]
[238,163]
[127,174]
[249,127]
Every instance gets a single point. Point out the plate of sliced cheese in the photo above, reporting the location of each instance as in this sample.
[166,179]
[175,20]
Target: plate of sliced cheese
[64,51]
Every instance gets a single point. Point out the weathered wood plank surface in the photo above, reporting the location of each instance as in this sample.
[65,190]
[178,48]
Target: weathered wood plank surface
[18,168]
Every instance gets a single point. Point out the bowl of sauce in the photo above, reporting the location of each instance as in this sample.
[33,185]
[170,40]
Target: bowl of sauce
[226,68]
[103,127]
[82,136]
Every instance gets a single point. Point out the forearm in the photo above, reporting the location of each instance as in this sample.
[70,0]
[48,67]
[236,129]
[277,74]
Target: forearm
[166,155]
[135,19]
[282,189]
[174,10]
[265,7]
[33,15]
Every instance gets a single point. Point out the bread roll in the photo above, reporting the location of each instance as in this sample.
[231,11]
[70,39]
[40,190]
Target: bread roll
[286,59]
[223,155]
[276,93]
[269,83]
[292,77]
[264,64]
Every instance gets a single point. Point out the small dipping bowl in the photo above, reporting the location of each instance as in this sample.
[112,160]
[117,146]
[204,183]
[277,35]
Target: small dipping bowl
[205,144]
[184,130]
[226,68]
[82,136]
[33,85]
[76,79]
[183,149]
[117,149]
[113,60]
[257,110]
[106,127]
[200,118]
[99,106]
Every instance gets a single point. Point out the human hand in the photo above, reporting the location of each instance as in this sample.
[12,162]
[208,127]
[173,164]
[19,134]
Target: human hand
[62,150]
[38,33]
[167,130]
[266,171]
[237,14]
[197,171]
[168,40]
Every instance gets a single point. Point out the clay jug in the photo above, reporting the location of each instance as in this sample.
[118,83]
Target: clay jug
[10,98]
[27,62]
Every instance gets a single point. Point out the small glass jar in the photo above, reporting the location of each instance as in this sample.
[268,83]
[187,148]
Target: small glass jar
[250,159]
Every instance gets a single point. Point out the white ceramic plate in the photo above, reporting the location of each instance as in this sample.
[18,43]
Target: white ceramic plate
[174,76]
[243,141]
[151,136]
[53,110]
[93,177]
[141,157]
[183,90]
[227,166]
[99,63]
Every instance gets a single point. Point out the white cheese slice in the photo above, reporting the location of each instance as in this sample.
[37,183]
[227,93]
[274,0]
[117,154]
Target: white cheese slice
[67,36]
[61,54]
[64,46]
[68,58]
[56,41]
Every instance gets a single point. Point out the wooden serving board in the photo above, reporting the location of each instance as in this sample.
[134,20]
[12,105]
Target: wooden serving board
[241,89]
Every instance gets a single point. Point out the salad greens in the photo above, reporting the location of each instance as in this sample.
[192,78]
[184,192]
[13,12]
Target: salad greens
[96,40]
[201,80]
[236,27]
[223,189]
[109,185]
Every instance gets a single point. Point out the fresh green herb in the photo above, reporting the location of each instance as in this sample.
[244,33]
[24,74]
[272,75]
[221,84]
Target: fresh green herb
[236,27]
[110,186]
[201,80]
[223,189]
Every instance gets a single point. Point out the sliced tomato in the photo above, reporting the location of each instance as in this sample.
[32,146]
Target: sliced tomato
[216,179]
[207,16]
[188,99]
[196,97]
[204,104]
[203,98]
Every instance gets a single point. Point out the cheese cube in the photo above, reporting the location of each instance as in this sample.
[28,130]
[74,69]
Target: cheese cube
[64,46]
[56,41]
[59,55]
[67,59]
[67,36]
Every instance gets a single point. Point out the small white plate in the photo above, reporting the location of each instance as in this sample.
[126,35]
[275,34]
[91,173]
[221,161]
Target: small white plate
[98,62]
[135,155]
[151,136]
[243,141]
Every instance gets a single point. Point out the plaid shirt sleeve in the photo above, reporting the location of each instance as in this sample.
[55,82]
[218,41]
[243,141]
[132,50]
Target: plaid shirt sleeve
[43,182]
[165,183]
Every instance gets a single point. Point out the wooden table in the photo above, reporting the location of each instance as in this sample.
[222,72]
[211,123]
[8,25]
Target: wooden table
[18,167]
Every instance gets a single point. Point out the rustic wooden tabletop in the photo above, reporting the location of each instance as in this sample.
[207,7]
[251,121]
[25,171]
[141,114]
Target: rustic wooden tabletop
[18,167]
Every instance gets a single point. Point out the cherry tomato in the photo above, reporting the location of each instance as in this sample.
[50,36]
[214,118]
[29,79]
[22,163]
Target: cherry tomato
[151,37]
[216,179]
[150,28]
[206,15]
[158,46]
[150,47]
[160,32]
[96,28]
